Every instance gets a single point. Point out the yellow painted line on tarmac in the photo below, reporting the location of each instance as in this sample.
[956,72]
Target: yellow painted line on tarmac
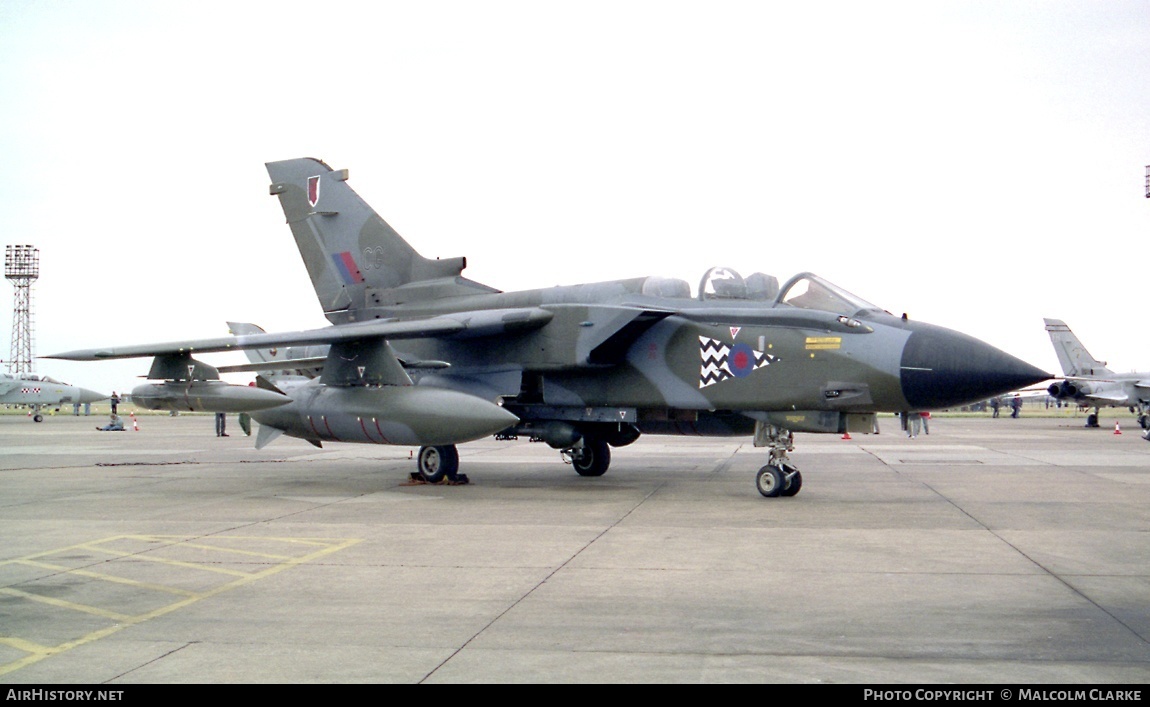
[110,578]
[22,645]
[311,548]
[177,563]
[61,604]
[234,551]
[192,565]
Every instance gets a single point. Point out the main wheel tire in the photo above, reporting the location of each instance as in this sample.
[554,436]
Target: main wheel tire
[770,481]
[1091,420]
[593,459]
[437,463]
[795,484]
[38,418]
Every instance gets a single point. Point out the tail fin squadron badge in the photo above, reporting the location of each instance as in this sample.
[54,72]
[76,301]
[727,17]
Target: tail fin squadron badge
[313,190]
[722,362]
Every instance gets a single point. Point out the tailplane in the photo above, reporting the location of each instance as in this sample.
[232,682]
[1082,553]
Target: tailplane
[357,262]
[1072,355]
[281,363]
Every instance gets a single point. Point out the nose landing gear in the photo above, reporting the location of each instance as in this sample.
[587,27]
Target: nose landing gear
[779,477]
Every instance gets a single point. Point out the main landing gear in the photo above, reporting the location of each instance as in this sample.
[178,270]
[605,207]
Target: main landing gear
[590,457]
[779,477]
[1140,411]
[436,464]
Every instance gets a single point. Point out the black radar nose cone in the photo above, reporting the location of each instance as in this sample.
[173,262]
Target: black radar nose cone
[943,368]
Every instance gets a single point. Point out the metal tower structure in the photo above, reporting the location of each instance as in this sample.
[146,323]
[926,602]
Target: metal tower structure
[22,267]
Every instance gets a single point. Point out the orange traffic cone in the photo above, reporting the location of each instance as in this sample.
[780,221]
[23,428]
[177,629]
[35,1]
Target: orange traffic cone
[846,435]
[135,425]
[1117,429]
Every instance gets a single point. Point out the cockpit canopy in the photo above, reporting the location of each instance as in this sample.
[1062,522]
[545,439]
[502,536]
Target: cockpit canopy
[809,291]
[805,291]
[30,377]
[721,283]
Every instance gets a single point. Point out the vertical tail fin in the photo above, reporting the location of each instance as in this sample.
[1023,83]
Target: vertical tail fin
[355,259]
[1072,355]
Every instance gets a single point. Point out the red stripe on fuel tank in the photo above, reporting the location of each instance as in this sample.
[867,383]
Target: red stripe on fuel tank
[365,432]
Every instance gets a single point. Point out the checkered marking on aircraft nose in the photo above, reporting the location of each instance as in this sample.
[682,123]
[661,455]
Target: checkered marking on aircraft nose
[721,361]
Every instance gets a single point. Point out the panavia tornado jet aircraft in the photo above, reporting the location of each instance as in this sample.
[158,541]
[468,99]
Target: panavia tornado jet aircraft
[416,354]
[1090,383]
[38,392]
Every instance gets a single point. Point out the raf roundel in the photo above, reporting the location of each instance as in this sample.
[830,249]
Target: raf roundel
[741,361]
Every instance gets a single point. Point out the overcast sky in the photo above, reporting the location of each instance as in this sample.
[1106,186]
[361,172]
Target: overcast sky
[978,165]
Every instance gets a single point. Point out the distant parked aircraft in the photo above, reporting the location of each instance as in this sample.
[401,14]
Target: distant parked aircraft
[42,391]
[1090,383]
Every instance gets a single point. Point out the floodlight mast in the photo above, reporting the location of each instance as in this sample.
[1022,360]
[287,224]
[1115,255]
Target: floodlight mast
[22,268]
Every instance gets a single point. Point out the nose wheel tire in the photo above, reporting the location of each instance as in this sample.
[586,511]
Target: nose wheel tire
[770,481]
[773,481]
[794,483]
[437,463]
